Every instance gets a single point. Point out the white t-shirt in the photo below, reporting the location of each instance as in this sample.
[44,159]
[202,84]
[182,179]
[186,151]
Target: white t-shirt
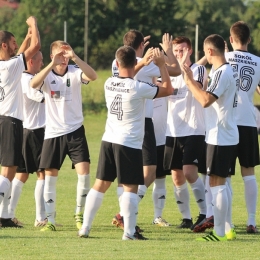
[125,99]
[11,97]
[63,102]
[160,119]
[33,109]
[247,66]
[221,127]
[145,74]
[185,113]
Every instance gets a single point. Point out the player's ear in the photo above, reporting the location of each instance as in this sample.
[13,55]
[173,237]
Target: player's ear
[117,64]
[231,39]
[51,56]
[249,40]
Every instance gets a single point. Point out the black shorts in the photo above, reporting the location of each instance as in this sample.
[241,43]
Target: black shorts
[32,149]
[219,159]
[247,150]
[181,151]
[11,140]
[121,162]
[160,172]
[74,145]
[202,162]
[149,144]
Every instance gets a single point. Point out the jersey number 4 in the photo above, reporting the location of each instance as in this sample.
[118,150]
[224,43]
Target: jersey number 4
[116,107]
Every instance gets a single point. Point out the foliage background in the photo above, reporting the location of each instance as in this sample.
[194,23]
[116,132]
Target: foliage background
[110,19]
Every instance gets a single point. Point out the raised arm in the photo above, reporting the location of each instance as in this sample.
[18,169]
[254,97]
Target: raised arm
[35,43]
[26,42]
[89,74]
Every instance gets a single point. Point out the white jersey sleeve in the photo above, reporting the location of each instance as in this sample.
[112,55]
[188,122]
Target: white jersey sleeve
[11,98]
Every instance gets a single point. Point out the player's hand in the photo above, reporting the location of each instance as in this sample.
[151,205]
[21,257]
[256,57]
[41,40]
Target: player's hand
[166,42]
[187,72]
[146,38]
[158,57]
[183,59]
[148,57]
[31,21]
[58,58]
[67,51]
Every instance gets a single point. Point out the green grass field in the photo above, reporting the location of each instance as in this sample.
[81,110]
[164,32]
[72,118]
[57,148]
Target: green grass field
[105,240]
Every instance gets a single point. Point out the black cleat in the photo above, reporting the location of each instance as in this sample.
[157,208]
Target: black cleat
[186,223]
[8,222]
[199,220]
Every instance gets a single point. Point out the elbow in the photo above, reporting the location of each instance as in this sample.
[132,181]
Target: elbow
[176,71]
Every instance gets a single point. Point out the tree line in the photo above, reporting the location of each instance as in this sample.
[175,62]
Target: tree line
[109,20]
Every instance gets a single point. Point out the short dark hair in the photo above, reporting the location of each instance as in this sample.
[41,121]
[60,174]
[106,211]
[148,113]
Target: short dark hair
[133,38]
[5,37]
[126,57]
[216,41]
[182,39]
[240,32]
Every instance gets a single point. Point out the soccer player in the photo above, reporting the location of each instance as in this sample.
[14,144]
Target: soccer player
[11,110]
[219,101]
[64,132]
[33,134]
[147,73]
[185,136]
[120,153]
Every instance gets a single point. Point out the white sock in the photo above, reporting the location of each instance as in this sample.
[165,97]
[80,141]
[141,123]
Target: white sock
[203,178]
[198,190]
[182,197]
[83,187]
[228,224]
[209,198]
[141,192]
[120,191]
[49,195]
[159,196]
[251,191]
[4,187]
[220,202]
[130,211]
[39,200]
[93,203]
[17,187]
[5,204]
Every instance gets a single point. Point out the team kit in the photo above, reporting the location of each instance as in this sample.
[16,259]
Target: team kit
[166,115]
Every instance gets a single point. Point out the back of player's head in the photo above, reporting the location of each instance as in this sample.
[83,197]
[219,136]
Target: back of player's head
[216,42]
[126,57]
[133,38]
[240,32]
[56,45]
[5,37]
[182,39]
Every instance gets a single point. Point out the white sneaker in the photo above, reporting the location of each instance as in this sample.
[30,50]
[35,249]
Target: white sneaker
[40,223]
[161,222]
[83,232]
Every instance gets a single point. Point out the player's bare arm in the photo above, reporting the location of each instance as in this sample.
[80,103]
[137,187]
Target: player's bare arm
[146,60]
[146,42]
[203,97]
[26,42]
[171,61]
[166,86]
[38,79]
[35,42]
[89,74]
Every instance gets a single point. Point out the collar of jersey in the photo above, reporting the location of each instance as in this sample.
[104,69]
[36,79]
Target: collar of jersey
[241,50]
[59,74]
[124,77]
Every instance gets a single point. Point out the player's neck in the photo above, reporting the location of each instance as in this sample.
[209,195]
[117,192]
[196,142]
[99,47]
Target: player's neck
[4,56]
[126,73]
[60,70]
[218,62]
[239,47]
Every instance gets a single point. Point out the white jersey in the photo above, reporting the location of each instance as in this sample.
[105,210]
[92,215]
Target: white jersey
[11,97]
[160,119]
[33,108]
[221,127]
[63,102]
[247,66]
[185,113]
[125,99]
[145,74]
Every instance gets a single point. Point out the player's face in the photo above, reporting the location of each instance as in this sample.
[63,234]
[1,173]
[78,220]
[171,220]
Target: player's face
[38,62]
[12,47]
[65,61]
[178,49]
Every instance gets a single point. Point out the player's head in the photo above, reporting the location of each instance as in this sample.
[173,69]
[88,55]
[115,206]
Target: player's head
[125,57]
[8,43]
[35,64]
[178,44]
[240,33]
[55,48]
[134,38]
[214,45]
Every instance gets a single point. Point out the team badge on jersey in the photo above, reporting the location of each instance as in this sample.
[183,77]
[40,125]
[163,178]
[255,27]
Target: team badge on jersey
[68,83]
